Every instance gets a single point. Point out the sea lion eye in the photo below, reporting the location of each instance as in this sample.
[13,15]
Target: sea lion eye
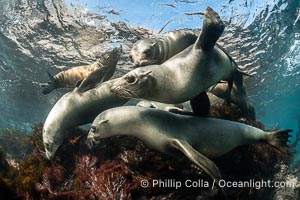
[152,106]
[130,79]
[93,129]
[147,52]
[130,57]
[47,146]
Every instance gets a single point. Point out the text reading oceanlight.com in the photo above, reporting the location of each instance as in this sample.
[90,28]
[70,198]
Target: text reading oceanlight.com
[173,183]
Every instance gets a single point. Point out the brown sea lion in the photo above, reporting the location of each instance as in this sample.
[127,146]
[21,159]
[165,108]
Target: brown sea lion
[69,78]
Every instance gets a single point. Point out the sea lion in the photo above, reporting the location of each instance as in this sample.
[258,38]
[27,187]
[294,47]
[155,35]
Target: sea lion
[238,96]
[69,78]
[74,109]
[197,138]
[157,50]
[185,75]
[150,51]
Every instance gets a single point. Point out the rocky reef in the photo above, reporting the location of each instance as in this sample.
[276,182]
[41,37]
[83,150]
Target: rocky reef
[117,166]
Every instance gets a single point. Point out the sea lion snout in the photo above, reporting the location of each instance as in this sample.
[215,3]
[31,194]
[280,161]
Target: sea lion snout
[90,140]
[136,64]
[122,92]
[49,156]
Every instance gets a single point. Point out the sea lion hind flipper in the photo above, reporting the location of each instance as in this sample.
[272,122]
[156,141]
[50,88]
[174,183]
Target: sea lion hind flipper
[48,88]
[51,84]
[93,79]
[200,160]
[279,139]
[200,104]
[212,29]
[52,79]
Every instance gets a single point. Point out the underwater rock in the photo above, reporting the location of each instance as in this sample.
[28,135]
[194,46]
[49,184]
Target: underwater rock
[5,184]
[16,145]
[289,175]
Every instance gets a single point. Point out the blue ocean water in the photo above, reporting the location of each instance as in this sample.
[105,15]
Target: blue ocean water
[40,35]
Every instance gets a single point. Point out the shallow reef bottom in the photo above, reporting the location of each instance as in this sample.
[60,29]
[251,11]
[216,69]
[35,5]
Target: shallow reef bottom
[117,166]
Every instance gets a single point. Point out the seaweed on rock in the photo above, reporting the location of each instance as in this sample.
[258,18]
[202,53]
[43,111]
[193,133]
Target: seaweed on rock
[15,144]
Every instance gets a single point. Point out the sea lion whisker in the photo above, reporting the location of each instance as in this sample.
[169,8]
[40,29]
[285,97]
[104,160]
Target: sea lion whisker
[123,92]
[41,153]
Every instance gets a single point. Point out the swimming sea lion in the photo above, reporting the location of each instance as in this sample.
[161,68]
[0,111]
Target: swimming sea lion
[74,109]
[185,75]
[150,51]
[238,96]
[157,50]
[70,77]
[197,138]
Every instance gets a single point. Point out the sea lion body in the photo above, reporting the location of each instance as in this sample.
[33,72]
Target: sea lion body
[179,79]
[157,50]
[75,109]
[211,137]
[197,138]
[70,77]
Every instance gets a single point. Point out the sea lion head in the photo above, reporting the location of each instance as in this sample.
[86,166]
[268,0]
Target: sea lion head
[52,138]
[144,52]
[111,57]
[106,124]
[135,84]
[100,128]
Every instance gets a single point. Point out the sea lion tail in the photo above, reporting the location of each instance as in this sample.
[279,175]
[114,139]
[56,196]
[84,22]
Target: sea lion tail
[279,139]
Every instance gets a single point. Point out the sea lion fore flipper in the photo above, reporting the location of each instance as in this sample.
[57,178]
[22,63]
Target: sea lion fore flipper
[200,160]
[197,158]
[230,84]
[181,112]
[78,83]
[96,77]
[200,104]
[212,29]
